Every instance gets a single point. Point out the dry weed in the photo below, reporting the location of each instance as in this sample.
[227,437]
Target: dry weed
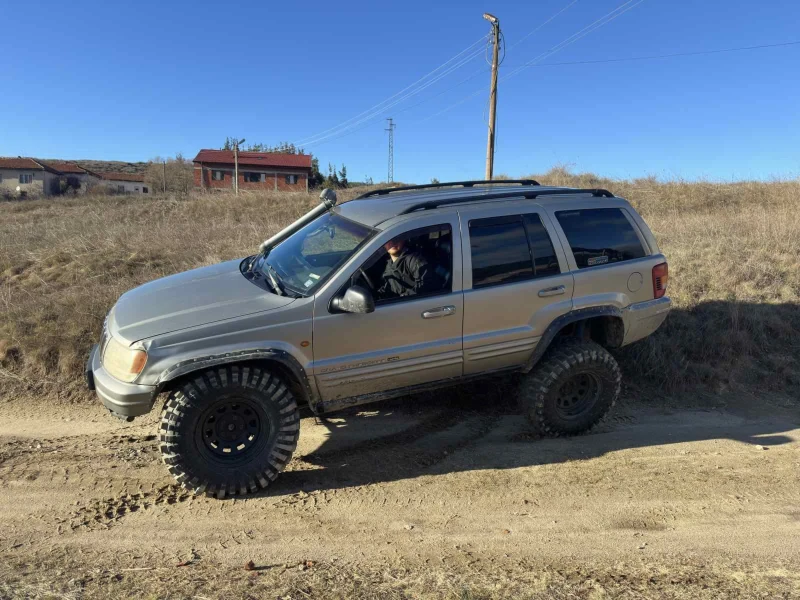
[733,248]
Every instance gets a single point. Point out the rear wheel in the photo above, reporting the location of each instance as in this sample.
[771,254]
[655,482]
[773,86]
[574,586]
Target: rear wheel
[229,431]
[571,389]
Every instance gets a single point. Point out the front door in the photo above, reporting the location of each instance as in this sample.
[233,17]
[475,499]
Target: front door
[414,335]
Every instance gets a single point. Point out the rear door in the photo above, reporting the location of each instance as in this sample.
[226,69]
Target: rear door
[406,341]
[516,281]
[610,257]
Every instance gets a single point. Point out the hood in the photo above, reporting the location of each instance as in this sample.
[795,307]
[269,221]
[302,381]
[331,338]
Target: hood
[189,299]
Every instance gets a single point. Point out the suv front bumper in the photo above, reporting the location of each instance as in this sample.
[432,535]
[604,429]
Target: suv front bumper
[124,400]
[643,318]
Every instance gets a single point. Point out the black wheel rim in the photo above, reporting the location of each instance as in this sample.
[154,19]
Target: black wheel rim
[230,428]
[577,395]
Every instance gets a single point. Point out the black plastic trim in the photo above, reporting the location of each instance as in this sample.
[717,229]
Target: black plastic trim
[528,195]
[328,406]
[559,323]
[196,364]
[88,374]
[427,186]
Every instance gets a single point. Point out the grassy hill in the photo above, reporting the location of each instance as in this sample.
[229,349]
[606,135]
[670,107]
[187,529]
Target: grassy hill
[733,248]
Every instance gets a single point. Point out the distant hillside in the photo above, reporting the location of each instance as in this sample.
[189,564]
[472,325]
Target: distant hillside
[106,166]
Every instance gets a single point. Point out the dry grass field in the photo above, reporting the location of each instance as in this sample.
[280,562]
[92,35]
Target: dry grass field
[734,252]
[688,491]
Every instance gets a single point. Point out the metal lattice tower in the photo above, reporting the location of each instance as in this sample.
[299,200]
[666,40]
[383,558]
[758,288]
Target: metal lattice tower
[390,129]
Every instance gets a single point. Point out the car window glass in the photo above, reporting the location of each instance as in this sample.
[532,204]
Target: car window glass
[305,259]
[423,266]
[544,256]
[500,251]
[600,236]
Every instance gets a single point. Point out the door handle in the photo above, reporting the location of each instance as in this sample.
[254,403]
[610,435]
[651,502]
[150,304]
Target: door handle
[442,311]
[553,291]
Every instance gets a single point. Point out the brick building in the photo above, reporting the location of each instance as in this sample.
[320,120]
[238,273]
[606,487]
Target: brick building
[214,169]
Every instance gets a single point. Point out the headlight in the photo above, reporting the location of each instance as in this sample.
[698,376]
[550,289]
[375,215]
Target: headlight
[121,362]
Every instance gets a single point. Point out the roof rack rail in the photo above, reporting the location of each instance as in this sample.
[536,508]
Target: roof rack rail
[528,195]
[466,184]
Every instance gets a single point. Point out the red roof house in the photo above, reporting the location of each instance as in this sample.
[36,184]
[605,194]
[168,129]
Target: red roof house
[214,169]
[27,176]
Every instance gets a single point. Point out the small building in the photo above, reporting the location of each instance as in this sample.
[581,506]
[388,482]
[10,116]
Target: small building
[76,177]
[28,177]
[126,183]
[214,169]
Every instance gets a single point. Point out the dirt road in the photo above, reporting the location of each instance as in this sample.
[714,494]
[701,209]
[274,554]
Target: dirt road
[432,497]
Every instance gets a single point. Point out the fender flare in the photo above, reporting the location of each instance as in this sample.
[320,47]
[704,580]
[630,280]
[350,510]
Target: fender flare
[559,323]
[192,365]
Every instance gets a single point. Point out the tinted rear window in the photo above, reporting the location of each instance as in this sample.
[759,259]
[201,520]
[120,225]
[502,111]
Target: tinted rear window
[600,236]
[544,257]
[500,252]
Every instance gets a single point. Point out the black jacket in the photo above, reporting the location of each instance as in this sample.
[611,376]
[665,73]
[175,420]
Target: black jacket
[409,275]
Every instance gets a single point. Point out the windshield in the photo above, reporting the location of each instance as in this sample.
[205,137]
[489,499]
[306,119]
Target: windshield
[304,260]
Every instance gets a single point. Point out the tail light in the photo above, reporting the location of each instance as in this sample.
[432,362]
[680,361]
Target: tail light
[660,279]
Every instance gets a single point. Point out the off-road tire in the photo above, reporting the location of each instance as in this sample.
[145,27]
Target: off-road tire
[229,430]
[571,372]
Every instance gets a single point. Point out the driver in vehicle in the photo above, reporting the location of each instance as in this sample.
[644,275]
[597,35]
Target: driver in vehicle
[407,273]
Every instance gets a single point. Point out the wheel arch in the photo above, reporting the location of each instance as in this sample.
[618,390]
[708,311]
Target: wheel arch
[602,324]
[281,361]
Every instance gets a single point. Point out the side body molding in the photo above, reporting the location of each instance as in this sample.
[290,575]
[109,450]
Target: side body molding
[559,323]
[284,358]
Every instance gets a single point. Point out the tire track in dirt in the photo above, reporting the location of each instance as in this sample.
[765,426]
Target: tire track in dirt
[104,513]
[69,459]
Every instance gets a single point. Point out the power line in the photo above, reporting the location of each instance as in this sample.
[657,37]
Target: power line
[530,33]
[560,46]
[424,77]
[382,109]
[673,55]
[592,27]
[346,128]
[481,71]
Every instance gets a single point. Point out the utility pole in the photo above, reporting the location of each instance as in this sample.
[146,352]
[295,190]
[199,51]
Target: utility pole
[164,164]
[390,129]
[492,94]
[236,167]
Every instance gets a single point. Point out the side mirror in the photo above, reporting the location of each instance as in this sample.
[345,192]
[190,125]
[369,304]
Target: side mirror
[355,300]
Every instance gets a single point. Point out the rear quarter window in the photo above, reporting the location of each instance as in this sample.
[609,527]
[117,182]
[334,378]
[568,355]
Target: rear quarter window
[600,236]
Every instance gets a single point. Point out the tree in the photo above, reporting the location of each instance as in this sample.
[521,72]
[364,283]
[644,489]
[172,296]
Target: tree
[315,179]
[332,180]
[176,176]
[434,180]
[343,177]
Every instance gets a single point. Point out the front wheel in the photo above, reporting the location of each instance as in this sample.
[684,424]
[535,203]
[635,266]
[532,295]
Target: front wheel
[229,431]
[571,389]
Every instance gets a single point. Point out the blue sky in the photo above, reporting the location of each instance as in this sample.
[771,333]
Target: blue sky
[129,81]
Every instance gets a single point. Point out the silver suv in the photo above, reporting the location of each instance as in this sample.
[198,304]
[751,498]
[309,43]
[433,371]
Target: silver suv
[398,291]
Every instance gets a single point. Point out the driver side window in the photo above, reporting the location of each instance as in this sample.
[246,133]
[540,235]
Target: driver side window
[415,264]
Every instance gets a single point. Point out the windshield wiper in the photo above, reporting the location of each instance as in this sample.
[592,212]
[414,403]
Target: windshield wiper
[274,278]
[254,260]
